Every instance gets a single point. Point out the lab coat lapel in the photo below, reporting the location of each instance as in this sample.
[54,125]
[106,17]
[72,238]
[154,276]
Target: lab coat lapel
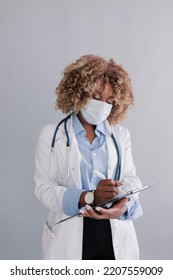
[112,153]
[74,161]
[111,156]
[74,158]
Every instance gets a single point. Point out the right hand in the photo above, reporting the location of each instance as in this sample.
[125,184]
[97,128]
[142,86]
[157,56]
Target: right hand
[106,189]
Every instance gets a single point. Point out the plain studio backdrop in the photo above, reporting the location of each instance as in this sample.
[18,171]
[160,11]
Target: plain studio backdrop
[38,39]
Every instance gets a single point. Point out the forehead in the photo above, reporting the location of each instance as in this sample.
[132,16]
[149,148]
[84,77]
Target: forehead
[105,88]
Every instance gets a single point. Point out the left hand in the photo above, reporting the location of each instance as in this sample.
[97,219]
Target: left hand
[111,213]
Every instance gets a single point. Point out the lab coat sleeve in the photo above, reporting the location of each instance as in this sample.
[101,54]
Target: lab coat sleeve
[48,192]
[129,179]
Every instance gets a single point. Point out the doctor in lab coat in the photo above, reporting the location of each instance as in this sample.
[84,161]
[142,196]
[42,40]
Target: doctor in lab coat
[98,94]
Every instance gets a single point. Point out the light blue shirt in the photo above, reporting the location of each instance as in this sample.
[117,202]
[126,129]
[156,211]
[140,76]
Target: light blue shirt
[94,156]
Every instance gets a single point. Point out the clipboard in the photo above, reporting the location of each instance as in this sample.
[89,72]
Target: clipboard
[111,201]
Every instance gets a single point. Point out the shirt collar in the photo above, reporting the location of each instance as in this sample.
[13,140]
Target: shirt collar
[78,127]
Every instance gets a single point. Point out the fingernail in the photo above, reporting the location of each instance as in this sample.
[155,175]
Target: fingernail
[98,209]
[81,211]
[87,207]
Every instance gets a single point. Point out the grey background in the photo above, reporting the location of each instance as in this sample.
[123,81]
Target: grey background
[38,39]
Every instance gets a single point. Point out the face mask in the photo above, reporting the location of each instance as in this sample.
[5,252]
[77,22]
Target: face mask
[96,111]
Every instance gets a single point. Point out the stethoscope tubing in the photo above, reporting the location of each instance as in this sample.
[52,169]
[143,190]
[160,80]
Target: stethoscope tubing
[118,168]
[66,132]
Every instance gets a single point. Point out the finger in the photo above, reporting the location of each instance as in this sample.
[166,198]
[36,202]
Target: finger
[108,190]
[107,182]
[122,201]
[82,213]
[117,183]
[101,210]
[107,213]
[125,199]
[111,189]
[94,214]
[85,213]
[108,195]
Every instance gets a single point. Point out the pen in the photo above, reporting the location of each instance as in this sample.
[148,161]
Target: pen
[101,176]
[98,174]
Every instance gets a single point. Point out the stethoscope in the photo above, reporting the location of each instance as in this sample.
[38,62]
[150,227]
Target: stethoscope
[64,121]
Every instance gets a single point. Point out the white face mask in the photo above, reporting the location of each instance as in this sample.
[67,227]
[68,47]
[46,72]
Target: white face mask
[96,111]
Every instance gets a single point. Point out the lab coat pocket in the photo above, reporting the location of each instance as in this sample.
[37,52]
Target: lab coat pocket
[47,240]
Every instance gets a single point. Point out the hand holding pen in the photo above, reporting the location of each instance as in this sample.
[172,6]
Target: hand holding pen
[107,189]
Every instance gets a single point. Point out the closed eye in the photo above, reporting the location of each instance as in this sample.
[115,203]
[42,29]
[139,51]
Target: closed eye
[98,96]
[110,101]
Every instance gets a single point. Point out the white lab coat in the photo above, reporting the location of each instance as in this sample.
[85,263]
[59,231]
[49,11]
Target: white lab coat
[64,241]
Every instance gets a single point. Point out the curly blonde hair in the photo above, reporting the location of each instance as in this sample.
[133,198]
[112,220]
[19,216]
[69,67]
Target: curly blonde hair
[81,79]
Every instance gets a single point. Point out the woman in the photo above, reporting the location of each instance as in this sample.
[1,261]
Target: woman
[97,94]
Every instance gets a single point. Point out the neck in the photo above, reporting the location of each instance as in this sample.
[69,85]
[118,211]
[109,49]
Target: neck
[85,124]
[90,128]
